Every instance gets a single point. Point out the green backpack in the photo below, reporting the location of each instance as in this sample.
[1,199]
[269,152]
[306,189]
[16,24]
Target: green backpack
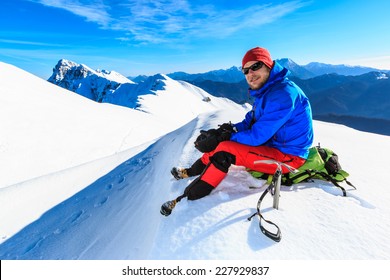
[322,163]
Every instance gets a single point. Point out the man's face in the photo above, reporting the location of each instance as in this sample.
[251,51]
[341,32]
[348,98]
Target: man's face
[256,79]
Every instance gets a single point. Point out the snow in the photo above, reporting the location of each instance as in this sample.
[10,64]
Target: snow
[84,180]
[382,76]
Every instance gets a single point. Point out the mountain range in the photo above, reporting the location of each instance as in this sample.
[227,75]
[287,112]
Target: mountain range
[311,70]
[352,95]
[361,101]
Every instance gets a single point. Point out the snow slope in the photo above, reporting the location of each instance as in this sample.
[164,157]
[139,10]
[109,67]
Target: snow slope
[106,205]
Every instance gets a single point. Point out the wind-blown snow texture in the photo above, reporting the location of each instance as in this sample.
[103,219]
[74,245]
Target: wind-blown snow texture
[82,180]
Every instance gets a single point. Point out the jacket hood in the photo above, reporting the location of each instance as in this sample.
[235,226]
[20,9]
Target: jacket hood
[278,73]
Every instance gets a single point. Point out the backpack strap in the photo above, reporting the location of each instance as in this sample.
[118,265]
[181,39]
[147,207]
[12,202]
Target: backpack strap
[349,183]
[289,180]
[341,174]
[329,178]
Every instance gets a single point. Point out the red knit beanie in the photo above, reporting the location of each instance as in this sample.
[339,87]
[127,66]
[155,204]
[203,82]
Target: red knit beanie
[258,54]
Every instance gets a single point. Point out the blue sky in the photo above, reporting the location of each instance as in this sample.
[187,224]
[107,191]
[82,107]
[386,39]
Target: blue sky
[148,37]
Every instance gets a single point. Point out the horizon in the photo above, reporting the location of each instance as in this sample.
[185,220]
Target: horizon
[134,38]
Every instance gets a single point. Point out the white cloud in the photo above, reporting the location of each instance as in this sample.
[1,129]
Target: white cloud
[222,24]
[92,10]
[161,21]
[31,43]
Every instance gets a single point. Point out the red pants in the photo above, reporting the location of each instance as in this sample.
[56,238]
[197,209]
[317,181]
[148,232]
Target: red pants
[246,156]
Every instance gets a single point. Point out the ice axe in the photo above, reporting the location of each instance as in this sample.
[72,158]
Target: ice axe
[274,189]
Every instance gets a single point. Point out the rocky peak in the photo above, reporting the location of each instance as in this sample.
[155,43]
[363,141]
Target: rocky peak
[83,80]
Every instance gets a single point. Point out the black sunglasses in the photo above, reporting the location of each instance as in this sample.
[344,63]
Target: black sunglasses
[254,67]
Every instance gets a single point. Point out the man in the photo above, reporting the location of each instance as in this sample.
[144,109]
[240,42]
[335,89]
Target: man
[278,127]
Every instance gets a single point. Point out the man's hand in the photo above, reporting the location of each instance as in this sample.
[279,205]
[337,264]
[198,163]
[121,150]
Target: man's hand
[225,131]
[207,141]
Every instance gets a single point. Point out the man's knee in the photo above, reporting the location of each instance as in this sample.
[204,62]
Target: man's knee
[222,160]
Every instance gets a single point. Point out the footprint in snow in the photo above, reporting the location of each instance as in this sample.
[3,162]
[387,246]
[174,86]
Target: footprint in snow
[101,202]
[122,184]
[33,245]
[76,216]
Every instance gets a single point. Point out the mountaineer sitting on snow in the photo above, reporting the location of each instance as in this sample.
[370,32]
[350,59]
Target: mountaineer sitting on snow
[278,127]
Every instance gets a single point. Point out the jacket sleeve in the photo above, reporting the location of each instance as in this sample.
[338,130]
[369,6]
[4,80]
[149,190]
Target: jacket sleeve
[277,110]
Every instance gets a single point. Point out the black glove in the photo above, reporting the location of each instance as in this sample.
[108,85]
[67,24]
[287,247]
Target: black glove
[226,127]
[207,141]
[225,131]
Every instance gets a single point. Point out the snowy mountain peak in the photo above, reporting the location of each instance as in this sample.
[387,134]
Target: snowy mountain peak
[287,61]
[114,76]
[382,76]
[294,68]
[83,80]
[156,82]
[65,66]
[64,62]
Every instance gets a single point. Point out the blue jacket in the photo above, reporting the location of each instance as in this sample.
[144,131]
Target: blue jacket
[280,117]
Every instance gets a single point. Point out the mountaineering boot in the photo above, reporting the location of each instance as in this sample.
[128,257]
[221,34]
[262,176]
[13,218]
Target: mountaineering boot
[167,207]
[196,169]
[179,173]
